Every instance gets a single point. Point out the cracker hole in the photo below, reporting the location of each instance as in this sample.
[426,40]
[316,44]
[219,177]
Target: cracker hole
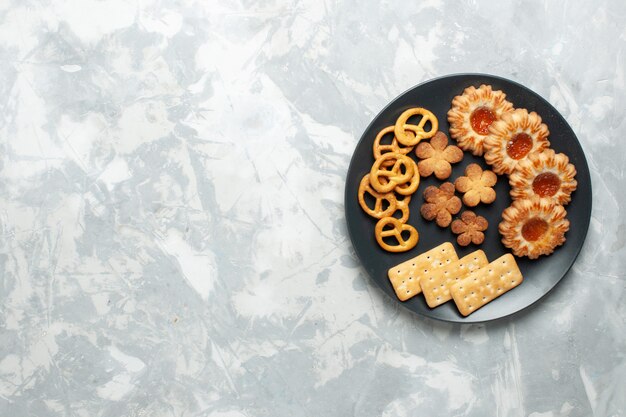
[403,281]
[513,282]
[428,257]
[484,298]
[472,293]
[490,271]
[475,259]
[460,288]
[461,265]
[408,292]
[410,278]
[509,272]
[465,298]
[441,285]
[438,298]
[413,264]
[425,270]
[431,278]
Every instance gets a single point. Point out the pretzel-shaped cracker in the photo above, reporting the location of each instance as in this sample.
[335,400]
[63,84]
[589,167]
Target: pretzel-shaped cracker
[393,175]
[396,232]
[377,212]
[401,127]
[393,147]
[403,206]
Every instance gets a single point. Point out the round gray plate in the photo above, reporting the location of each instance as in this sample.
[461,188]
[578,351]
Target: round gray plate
[540,275]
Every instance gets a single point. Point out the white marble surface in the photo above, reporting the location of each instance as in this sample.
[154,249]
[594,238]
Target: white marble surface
[171,210]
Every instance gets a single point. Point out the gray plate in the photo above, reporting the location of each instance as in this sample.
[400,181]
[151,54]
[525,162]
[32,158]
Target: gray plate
[540,275]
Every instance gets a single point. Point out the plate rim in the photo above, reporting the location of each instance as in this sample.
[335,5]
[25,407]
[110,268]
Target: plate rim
[467,319]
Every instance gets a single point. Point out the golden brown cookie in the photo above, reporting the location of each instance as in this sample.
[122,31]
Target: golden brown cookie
[381,148]
[389,227]
[533,227]
[470,228]
[517,136]
[477,186]
[437,156]
[441,204]
[545,175]
[472,113]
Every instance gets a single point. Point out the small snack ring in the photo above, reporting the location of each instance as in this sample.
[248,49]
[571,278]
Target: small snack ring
[396,232]
[376,212]
[394,146]
[393,175]
[401,127]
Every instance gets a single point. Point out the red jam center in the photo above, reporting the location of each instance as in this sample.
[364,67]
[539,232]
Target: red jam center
[481,119]
[519,145]
[534,228]
[546,184]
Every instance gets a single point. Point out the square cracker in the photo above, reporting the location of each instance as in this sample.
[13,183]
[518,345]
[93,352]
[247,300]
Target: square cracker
[405,277]
[436,285]
[486,284]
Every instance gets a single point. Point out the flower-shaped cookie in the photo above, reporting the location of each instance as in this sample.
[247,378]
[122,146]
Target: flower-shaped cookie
[477,186]
[437,156]
[441,204]
[470,228]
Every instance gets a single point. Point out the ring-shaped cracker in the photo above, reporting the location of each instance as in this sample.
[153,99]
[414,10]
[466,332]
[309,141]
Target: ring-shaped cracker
[376,212]
[401,127]
[398,227]
[385,179]
[394,146]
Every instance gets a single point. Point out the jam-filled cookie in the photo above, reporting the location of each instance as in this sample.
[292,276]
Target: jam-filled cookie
[533,227]
[546,175]
[514,138]
[473,112]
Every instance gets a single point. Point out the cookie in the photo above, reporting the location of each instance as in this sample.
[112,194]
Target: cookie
[486,284]
[436,284]
[437,156]
[545,175]
[514,138]
[470,228]
[405,277]
[441,204]
[476,186]
[472,113]
[533,227]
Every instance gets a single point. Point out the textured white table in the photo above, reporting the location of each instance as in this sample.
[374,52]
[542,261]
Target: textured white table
[171,211]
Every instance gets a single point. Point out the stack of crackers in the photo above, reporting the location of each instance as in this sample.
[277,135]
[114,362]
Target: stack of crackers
[441,276]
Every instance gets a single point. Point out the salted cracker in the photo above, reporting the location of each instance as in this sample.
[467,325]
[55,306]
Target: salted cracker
[486,284]
[436,284]
[405,277]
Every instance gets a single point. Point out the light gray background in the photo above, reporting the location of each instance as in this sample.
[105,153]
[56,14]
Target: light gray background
[171,210]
